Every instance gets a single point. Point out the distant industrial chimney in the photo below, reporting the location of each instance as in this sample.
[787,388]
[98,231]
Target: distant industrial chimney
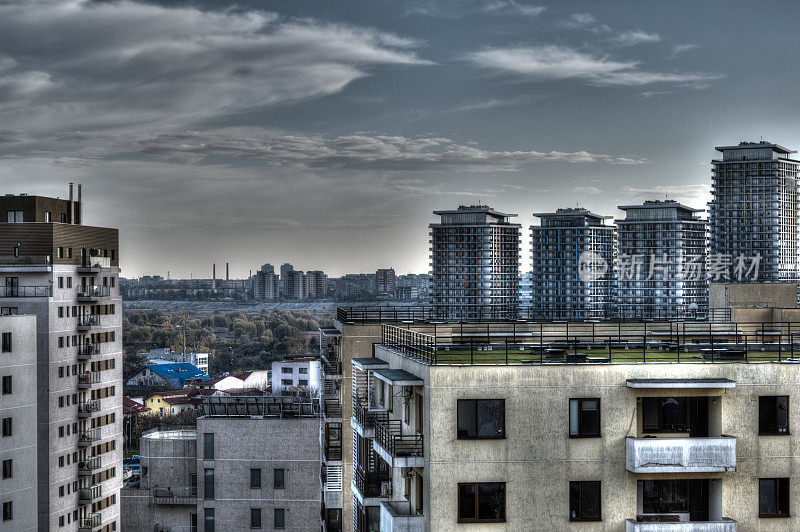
[227,273]
[71,206]
[214,276]
[79,207]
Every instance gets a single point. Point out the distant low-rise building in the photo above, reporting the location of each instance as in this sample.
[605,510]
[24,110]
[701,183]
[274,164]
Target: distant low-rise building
[172,375]
[165,354]
[295,373]
[385,282]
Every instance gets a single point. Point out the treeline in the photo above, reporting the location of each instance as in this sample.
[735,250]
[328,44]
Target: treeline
[235,340]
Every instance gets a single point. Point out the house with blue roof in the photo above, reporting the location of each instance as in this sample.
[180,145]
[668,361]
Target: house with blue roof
[173,375]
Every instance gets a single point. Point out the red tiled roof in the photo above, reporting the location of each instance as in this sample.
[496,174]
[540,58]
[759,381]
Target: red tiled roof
[129,406]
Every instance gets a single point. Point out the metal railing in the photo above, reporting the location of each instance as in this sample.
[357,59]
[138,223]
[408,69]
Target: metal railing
[333,409]
[369,485]
[333,452]
[89,436]
[88,350]
[367,418]
[333,478]
[90,521]
[88,378]
[94,291]
[610,342]
[502,313]
[89,407]
[27,260]
[90,494]
[166,492]
[91,464]
[95,262]
[89,320]
[26,291]
[389,435]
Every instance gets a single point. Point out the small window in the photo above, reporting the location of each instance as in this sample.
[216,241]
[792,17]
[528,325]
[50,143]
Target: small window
[208,446]
[6,342]
[60,253]
[303,382]
[303,371]
[48,217]
[286,370]
[584,501]
[63,217]
[60,312]
[481,418]
[773,415]
[255,478]
[773,497]
[8,469]
[279,479]
[7,426]
[7,388]
[280,518]
[584,418]
[484,502]
[8,511]
[208,483]
[14,217]
[286,382]
[69,285]
[255,517]
[208,520]
[61,282]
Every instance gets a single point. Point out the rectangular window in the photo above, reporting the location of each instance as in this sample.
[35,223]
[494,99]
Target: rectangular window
[60,312]
[208,483]
[484,502]
[584,418]
[773,497]
[8,469]
[61,282]
[7,388]
[773,415]
[303,382]
[481,418]
[286,382]
[6,342]
[280,518]
[279,479]
[255,478]
[255,517]
[286,370]
[208,446]
[584,501]
[7,426]
[8,511]
[69,285]
[208,520]
[303,371]
[665,496]
[14,217]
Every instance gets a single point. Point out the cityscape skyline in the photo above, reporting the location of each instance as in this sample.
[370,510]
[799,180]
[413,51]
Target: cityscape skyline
[395,110]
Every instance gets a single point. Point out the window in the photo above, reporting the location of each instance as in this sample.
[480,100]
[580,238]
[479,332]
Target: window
[482,502]
[48,217]
[303,382]
[208,483]
[61,282]
[7,430]
[280,518]
[481,418]
[584,501]
[773,415]
[279,479]
[665,496]
[6,342]
[286,382]
[208,520]
[773,497]
[286,370]
[255,478]
[14,217]
[255,517]
[8,469]
[7,384]
[69,285]
[8,511]
[60,254]
[303,371]
[584,418]
[208,446]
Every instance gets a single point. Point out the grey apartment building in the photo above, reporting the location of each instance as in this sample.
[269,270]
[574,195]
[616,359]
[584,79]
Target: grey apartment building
[65,273]
[17,408]
[474,261]
[660,263]
[566,242]
[754,208]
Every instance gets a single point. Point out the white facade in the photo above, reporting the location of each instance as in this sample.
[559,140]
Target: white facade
[304,372]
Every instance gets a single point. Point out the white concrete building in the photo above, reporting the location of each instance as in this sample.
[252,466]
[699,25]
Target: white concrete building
[296,373]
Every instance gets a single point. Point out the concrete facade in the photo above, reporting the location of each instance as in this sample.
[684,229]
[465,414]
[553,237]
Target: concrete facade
[18,489]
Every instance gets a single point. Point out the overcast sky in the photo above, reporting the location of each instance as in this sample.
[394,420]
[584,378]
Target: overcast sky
[323,133]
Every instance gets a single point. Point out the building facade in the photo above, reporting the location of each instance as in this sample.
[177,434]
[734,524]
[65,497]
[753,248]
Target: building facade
[18,439]
[754,208]
[317,284]
[573,253]
[474,261]
[385,282]
[66,273]
[661,260]
[295,373]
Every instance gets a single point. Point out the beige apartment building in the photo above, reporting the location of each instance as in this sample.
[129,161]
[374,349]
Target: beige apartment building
[673,426]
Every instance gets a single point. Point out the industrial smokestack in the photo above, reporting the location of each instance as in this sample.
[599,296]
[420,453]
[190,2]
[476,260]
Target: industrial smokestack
[227,273]
[214,276]
[79,206]
[71,206]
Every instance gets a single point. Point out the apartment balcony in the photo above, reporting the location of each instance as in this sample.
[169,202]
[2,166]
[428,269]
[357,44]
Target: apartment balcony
[333,453]
[87,437]
[26,291]
[364,419]
[332,411]
[94,264]
[88,408]
[398,517]
[681,455]
[92,293]
[90,494]
[332,486]
[87,351]
[87,379]
[88,321]
[89,466]
[330,386]
[183,495]
[89,523]
[371,486]
[724,525]
[398,449]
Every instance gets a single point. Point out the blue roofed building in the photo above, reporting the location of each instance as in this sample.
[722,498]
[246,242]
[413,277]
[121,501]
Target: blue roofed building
[173,375]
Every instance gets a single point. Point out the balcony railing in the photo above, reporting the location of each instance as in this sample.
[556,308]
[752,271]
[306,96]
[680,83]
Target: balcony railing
[86,351]
[372,485]
[85,380]
[333,478]
[400,516]
[367,418]
[174,494]
[333,452]
[91,292]
[26,291]
[680,455]
[88,436]
[87,495]
[88,320]
[87,466]
[90,522]
[725,525]
[333,409]
[389,435]
[95,263]
[88,408]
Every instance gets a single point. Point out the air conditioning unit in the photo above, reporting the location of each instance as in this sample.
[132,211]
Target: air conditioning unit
[386,488]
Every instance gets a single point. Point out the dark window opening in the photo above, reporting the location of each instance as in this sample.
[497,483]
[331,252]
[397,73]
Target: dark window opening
[773,497]
[584,418]
[773,415]
[584,501]
[484,502]
[481,418]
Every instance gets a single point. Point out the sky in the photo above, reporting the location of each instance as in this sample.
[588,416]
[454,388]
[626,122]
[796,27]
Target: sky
[325,133]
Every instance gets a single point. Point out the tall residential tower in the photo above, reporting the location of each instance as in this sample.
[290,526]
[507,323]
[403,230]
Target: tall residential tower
[475,262]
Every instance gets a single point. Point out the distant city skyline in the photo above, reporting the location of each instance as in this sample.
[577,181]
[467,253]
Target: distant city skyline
[325,134]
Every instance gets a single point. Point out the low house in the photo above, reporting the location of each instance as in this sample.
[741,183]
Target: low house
[177,401]
[259,379]
[298,372]
[223,382]
[171,375]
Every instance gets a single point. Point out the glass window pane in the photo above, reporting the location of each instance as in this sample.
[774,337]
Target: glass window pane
[208,520]
[466,419]
[574,500]
[279,478]
[782,415]
[590,500]
[590,417]
[466,502]
[574,418]
[280,518]
[490,419]
[492,501]
[208,483]
[255,478]
[208,447]
[766,498]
